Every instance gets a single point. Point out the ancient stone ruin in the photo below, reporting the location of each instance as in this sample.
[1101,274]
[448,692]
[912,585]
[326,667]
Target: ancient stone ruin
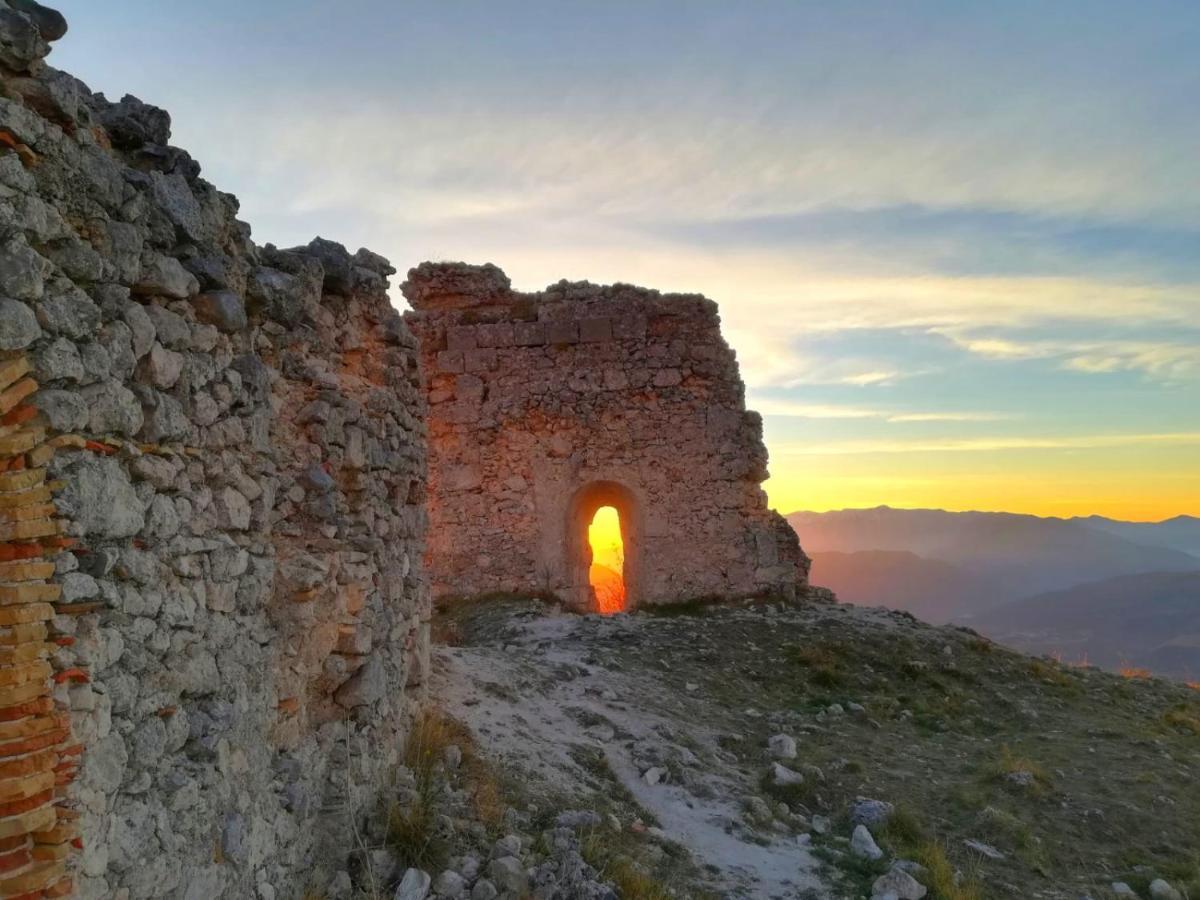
[214,610]
[213,617]
[544,407]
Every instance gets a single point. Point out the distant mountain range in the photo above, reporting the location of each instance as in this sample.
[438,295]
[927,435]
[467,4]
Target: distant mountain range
[1150,621]
[1179,533]
[1085,586]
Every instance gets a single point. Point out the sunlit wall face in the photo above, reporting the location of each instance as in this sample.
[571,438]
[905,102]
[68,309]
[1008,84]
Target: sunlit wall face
[607,573]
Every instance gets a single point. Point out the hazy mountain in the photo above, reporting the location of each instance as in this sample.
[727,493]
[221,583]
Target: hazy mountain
[1019,555]
[1179,533]
[929,589]
[1149,620]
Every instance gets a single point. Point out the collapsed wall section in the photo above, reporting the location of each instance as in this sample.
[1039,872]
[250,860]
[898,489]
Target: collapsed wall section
[213,615]
[542,405]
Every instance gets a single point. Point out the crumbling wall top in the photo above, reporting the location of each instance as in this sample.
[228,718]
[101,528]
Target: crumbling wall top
[455,285]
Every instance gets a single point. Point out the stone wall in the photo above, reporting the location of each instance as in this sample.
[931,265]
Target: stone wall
[544,406]
[213,617]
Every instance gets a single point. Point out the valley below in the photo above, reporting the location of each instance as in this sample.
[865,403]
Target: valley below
[1090,591]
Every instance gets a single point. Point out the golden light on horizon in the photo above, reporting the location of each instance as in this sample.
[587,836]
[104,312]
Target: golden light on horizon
[607,572]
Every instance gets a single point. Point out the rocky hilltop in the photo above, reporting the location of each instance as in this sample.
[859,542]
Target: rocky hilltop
[213,618]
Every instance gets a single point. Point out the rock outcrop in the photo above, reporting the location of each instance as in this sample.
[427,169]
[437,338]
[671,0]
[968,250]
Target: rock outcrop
[213,617]
[543,407]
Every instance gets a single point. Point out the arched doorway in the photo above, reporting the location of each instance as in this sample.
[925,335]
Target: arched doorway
[602,532]
[606,574]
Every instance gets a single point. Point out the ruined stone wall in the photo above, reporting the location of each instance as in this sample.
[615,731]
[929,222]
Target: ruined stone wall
[213,617]
[542,406]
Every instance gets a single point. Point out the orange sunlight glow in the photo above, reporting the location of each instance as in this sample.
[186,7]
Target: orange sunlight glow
[606,575]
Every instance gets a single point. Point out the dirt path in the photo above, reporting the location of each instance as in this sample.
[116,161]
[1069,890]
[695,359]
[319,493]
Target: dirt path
[544,696]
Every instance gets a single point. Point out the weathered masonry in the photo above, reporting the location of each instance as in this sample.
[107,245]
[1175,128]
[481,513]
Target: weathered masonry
[544,407]
[213,615]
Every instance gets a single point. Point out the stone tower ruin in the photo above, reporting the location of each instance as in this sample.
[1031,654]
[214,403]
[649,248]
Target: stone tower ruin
[546,406]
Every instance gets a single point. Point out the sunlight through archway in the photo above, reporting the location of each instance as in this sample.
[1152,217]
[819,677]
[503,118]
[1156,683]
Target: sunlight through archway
[607,573]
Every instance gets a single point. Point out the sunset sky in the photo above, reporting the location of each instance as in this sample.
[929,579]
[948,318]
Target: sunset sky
[956,245]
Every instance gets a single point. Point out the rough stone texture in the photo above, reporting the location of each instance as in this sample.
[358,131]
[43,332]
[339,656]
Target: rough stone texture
[229,497]
[543,407]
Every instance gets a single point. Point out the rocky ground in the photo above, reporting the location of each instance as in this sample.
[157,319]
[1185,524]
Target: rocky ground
[812,751]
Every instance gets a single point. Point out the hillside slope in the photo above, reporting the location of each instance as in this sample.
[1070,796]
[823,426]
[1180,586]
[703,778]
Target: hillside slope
[1148,620]
[730,749]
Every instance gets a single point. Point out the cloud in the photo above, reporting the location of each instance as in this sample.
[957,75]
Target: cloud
[988,444]
[1162,360]
[869,378]
[799,410]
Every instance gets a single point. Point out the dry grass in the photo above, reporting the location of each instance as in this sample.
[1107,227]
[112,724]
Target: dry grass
[412,828]
[1182,718]
[904,831]
[1049,672]
[823,662]
[632,882]
[941,880]
[1126,670]
[1010,764]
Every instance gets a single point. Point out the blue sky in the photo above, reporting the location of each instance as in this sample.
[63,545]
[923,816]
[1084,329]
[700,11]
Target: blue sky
[955,244]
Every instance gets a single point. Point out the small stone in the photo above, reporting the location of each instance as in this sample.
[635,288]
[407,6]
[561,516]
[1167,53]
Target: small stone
[1161,890]
[164,366]
[872,813]
[898,884]
[78,586]
[782,746]
[224,309]
[509,845]
[18,325]
[66,411]
[983,849]
[171,328]
[862,844]
[484,890]
[413,886]
[72,314]
[112,409]
[820,824]
[51,24]
[580,818]
[58,361]
[367,686]
[166,277]
[509,875]
[782,776]
[450,884]
[340,887]
[654,775]
[24,271]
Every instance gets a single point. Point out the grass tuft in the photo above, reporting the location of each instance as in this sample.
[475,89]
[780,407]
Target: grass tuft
[632,882]
[1011,764]
[942,879]
[904,831]
[412,828]
[1182,718]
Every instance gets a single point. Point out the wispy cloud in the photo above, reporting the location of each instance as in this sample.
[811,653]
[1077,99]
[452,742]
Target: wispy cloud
[1166,360]
[989,445]
[800,410]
